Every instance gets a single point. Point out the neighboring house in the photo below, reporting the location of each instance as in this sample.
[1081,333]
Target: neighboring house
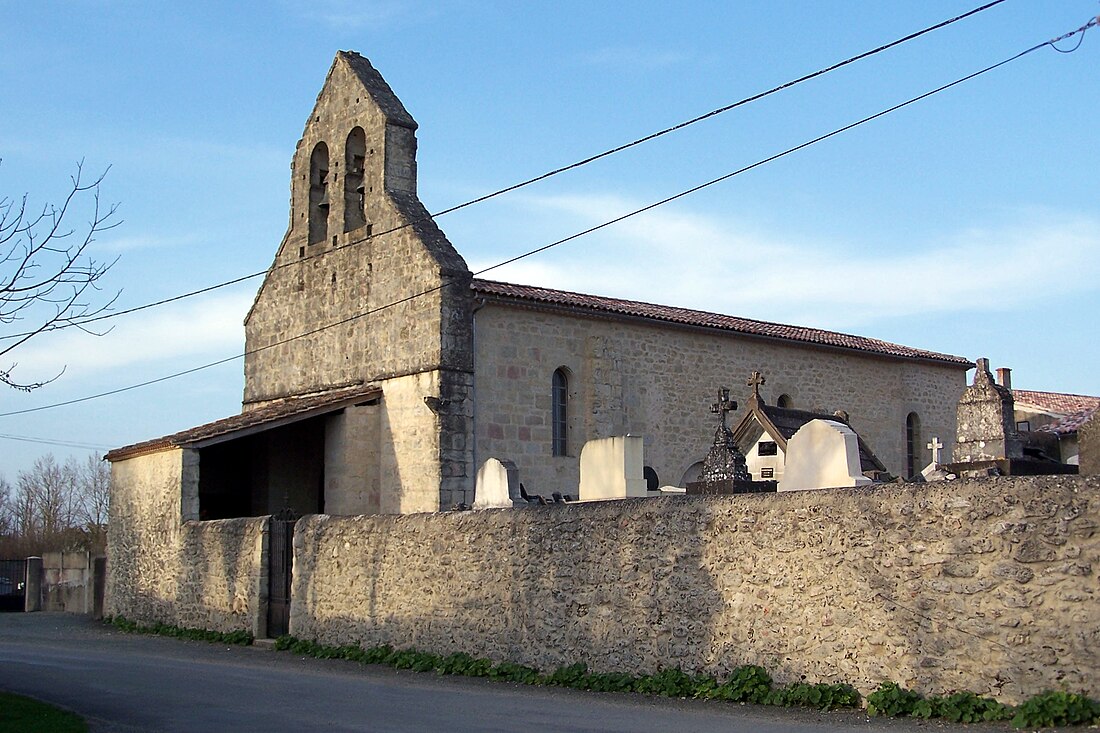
[764,430]
[379,374]
[1053,418]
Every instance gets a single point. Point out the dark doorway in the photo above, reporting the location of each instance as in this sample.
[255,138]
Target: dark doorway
[13,576]
[280,573]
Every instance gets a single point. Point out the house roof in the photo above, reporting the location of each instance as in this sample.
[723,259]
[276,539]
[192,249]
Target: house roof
[1055,402]
[274,414]
[596,304]
[1070,423]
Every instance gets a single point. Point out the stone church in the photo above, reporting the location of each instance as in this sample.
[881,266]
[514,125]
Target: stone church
[379,374]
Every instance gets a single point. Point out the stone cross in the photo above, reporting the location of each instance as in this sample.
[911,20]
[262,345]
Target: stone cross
[935,447]
[724,405]
[755,380]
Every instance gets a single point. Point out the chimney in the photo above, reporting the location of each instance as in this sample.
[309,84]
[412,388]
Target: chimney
[1004,377]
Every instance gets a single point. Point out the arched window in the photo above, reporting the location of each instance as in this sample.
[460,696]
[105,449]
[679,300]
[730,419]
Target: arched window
[652,481]
[912,444]
[559,412]
[784,401]
[318,194]
[355,156]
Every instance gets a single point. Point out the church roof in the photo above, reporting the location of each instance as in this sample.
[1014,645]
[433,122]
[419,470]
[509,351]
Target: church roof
[1055,402]
[703,319]
[274,414]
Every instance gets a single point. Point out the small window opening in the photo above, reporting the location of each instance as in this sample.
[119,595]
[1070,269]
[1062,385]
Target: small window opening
[767,472]
[1024,426]
[318,194]
[767,448]
[354,192]
[912,444]
[652,482]
[784,401]
[301,251]
[559,394]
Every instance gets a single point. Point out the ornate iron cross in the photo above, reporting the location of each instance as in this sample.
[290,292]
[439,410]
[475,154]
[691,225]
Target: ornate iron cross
[724,405]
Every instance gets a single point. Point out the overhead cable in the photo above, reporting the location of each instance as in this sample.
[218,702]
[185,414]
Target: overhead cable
[543,248]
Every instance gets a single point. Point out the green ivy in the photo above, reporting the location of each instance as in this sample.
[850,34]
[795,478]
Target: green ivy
[241,638]
[746,684]
[1056,708]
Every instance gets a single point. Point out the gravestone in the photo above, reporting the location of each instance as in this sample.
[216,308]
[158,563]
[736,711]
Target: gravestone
[987,443]
[724,469]
[612,468]
[823,454]
[934,471]
[497,486]
[724,461]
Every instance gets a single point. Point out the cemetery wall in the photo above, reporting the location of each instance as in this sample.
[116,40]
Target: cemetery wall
[986,585]
[629,377]
[160,568]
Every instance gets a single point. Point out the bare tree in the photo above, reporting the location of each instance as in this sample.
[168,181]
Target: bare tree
[48,278]
[55,506]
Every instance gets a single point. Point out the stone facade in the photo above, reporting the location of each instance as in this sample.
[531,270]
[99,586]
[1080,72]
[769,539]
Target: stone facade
[165,566]
[381,293]
[986,422]
[658,381]
[984,585]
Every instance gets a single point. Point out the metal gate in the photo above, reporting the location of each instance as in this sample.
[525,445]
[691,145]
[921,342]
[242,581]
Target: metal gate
[280,563]
[13,591]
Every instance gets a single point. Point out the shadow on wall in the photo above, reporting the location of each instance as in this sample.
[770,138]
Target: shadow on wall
[978,585]
[218,586]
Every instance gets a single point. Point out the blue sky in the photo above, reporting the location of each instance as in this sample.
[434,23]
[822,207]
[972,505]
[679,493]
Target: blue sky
[968,223]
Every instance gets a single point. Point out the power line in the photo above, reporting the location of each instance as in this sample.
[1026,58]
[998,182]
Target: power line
[536,179]
[1092,22]
[62,443]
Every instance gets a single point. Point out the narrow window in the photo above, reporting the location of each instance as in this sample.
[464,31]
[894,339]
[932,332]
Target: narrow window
[784,401]
[559,399]
[318,194]
[355,156]
[912,444]
[652,480]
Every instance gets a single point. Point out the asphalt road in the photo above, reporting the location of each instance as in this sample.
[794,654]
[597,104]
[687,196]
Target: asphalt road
[127,683]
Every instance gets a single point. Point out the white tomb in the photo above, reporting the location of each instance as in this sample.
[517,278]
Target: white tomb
[612,468]
[822,454]
[497,485]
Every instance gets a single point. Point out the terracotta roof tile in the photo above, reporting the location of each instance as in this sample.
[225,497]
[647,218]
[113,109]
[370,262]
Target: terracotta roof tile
[1057,402]
[1070,423]
[686,316]
[280,410]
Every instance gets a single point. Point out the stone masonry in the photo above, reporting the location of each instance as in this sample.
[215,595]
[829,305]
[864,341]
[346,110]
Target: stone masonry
[382,294]
[658,382]
[985,585]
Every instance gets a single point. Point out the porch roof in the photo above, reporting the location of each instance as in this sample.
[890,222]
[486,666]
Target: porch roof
[274,414]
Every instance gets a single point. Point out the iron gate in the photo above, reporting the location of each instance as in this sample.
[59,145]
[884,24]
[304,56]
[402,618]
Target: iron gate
[280,563]
[13,591]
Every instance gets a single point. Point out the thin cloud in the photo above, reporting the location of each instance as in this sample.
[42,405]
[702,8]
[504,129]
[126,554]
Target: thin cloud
[677,257]
[211,327]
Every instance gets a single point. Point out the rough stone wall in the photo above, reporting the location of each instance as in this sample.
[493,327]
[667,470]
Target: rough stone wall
[1088,446]
[986,421]
[163,569]
[659,382]
[368,268]
[143,534]
[985,585]
[222,581]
